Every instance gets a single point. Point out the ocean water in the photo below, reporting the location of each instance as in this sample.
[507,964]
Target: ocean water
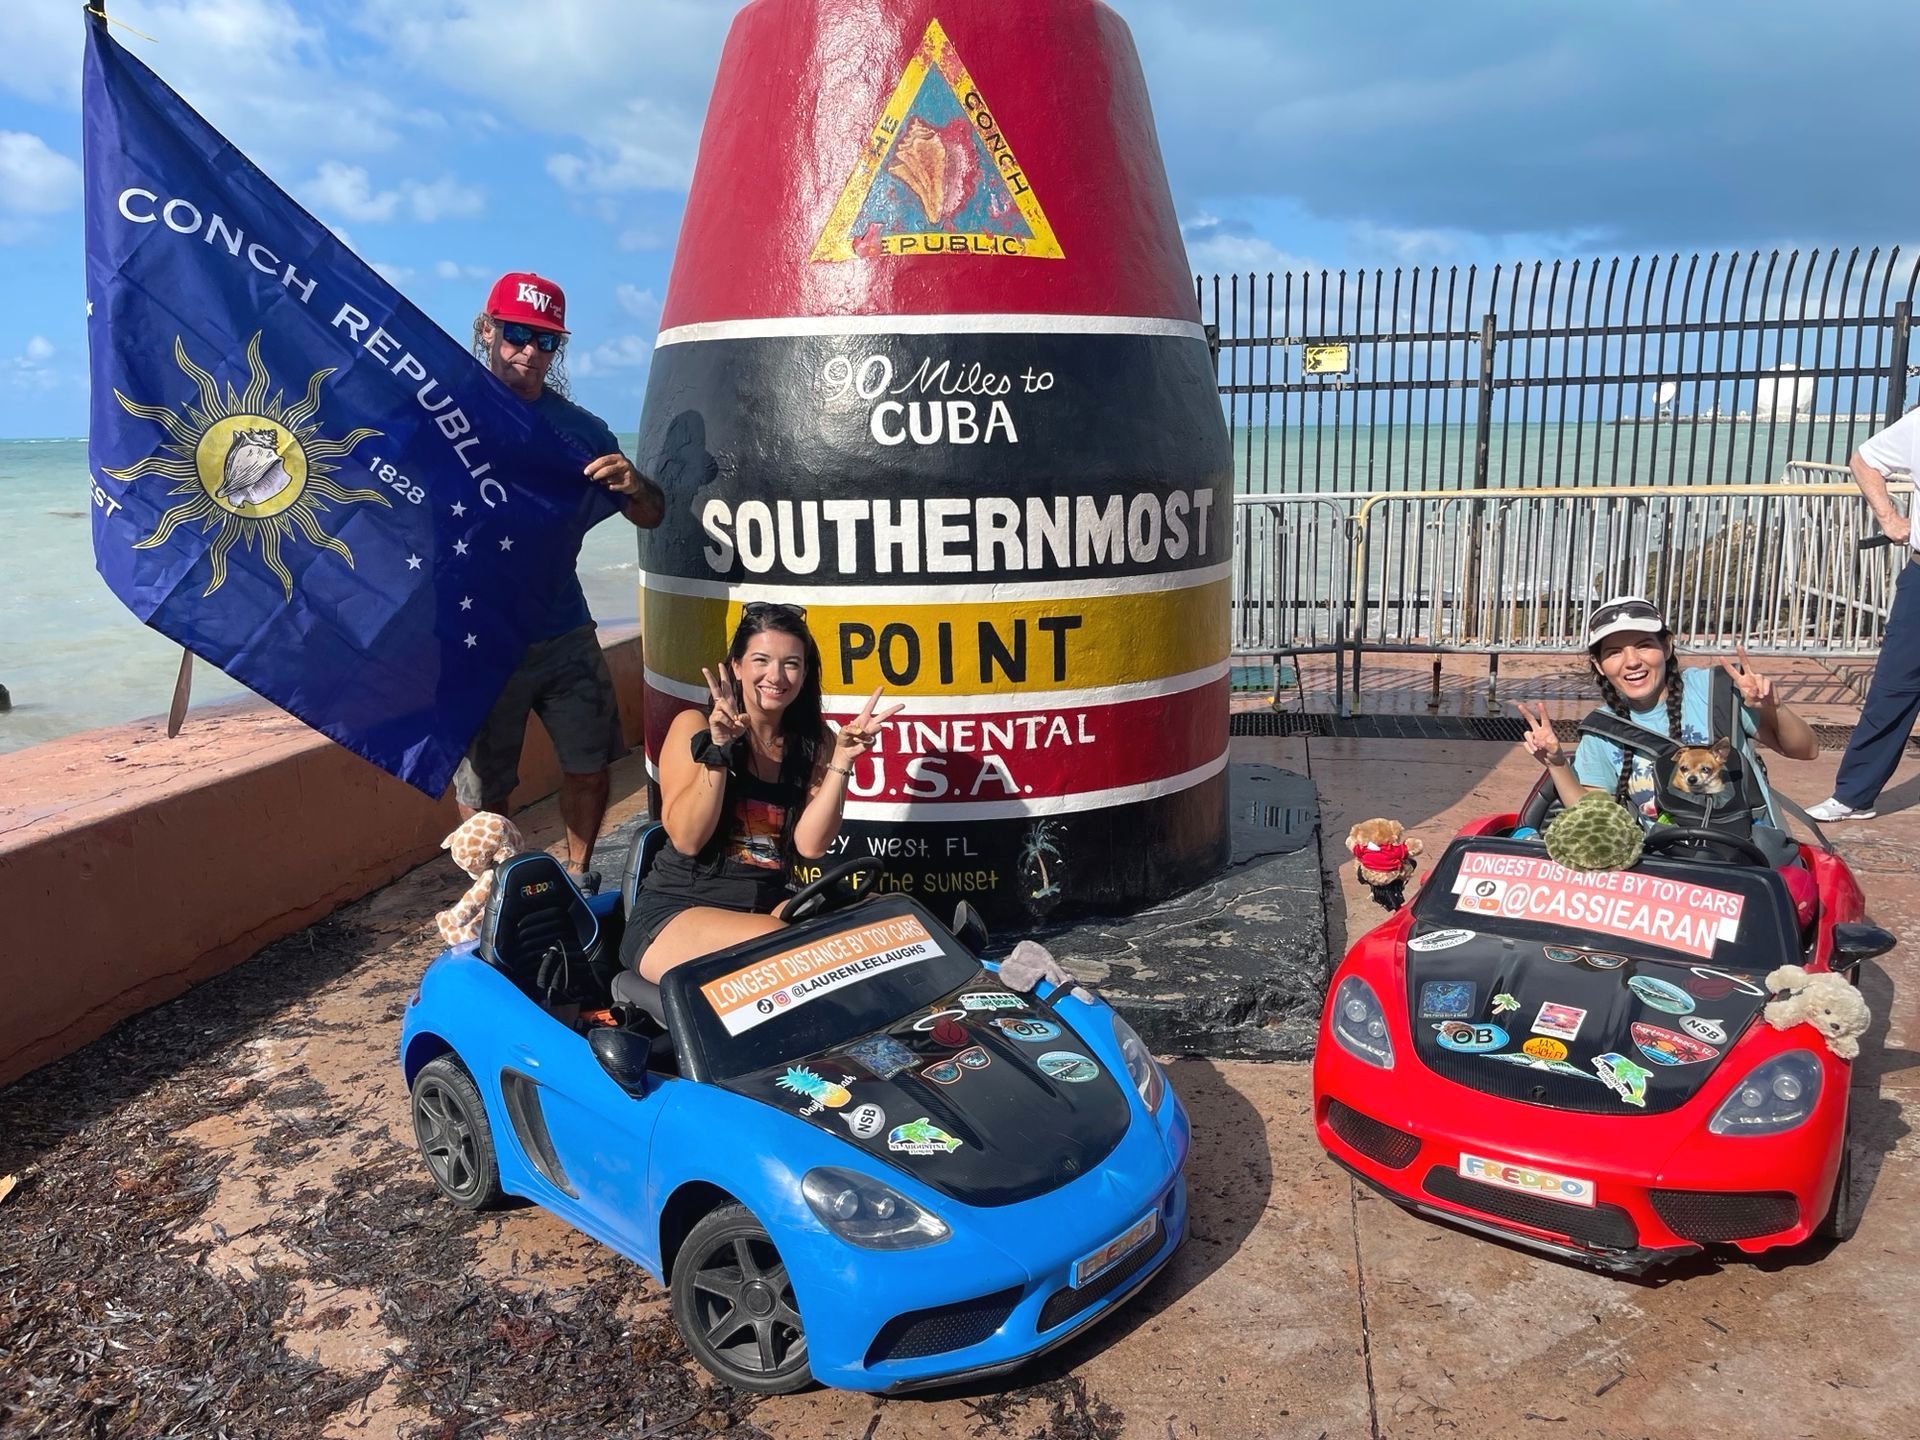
[74,658]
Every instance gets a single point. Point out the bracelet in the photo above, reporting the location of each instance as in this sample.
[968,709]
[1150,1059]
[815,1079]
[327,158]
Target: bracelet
[1555,760]
[846,770]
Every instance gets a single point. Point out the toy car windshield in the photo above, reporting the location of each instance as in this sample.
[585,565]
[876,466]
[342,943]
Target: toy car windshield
[1736,917]
[807,989]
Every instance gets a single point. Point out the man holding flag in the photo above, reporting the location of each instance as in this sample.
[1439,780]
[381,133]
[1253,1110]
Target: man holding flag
[562,676]
[297,475]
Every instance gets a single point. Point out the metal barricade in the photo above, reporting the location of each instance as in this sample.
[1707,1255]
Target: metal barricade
[1292,589]
[1777,568]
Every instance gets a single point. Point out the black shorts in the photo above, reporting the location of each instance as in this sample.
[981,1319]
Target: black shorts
[566,683]
[652,912]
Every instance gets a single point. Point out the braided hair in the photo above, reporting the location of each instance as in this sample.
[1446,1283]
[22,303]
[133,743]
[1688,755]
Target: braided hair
[1675,687]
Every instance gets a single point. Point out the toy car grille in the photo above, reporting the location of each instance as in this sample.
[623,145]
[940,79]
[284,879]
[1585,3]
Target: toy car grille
[1707,1215]
[1605,1225]
[943,1328]
[1374,1139]
[1065,1303]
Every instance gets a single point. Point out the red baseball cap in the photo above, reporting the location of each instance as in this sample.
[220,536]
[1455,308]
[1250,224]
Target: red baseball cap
[528,299]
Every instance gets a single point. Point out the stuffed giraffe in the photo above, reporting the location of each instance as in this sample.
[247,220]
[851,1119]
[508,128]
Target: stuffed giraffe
[483,841]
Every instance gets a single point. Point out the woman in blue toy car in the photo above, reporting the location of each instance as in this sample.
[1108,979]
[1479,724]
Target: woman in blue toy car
[745,791]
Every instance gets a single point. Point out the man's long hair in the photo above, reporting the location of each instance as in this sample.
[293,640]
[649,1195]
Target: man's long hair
[556,373]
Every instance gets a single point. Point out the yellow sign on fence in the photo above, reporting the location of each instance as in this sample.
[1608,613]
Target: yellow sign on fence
[1326,360]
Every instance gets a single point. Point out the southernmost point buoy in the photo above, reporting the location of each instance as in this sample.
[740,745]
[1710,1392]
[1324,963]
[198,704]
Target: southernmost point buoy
[931,366]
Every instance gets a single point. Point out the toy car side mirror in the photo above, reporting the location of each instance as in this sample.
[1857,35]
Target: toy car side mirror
[969,928]
[1855,940]
[623,1055]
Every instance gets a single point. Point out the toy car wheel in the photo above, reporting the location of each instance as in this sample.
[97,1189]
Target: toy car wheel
[1843,1215]
[450,1127]
[733,1301]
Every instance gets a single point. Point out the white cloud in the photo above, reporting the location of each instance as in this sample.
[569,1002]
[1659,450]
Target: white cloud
[339,189]
[35,179]
[454,270]
[394,275]
[640,237]
[641,304]
[31,370]
[623,352]
[444,199]
[346,191]
[640,146]
[1225,246]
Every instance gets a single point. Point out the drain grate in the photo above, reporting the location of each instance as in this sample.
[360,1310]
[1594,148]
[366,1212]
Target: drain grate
[1376,727]
[1442,727]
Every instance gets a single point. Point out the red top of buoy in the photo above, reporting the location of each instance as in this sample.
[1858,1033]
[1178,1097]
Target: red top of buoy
[928,157]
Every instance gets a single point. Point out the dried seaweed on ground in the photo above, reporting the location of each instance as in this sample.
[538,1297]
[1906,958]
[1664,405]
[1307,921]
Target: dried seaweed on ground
[1071,1413]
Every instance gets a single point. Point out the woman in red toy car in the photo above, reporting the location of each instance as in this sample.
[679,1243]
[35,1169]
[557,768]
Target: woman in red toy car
[745,791]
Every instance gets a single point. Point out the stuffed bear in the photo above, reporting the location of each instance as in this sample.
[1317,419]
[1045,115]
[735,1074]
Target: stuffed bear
[1825,1001]
[483,841]
[1384,853]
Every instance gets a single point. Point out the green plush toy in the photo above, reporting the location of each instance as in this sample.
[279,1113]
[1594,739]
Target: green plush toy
[1599,833]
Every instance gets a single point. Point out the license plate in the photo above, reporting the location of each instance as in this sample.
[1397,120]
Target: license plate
[1091,1267]
[1528,1179]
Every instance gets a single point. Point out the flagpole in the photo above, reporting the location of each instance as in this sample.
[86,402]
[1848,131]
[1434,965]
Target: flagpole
[96,13]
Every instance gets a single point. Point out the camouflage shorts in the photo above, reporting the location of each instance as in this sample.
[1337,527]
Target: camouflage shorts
[565,682]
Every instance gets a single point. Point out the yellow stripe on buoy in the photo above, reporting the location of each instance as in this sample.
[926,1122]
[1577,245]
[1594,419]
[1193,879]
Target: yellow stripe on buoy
[1029,646]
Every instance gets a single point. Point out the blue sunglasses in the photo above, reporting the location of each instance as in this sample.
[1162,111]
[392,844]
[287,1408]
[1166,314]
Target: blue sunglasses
[514,333]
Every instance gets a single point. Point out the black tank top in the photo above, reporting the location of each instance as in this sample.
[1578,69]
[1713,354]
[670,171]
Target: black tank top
[743,865]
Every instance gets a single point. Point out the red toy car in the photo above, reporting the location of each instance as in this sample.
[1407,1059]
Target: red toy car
[1576,1062]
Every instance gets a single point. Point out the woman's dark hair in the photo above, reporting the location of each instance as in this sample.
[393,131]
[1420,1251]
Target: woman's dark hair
[1675,688]
[801,721]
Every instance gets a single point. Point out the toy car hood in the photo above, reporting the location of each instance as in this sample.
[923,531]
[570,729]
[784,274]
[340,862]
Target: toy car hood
[987,1106]
[1572,1026]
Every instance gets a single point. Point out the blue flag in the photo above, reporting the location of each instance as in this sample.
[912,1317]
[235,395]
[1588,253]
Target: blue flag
[296,474]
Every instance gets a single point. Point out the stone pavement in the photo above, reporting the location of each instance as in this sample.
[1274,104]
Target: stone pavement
[1303,1305]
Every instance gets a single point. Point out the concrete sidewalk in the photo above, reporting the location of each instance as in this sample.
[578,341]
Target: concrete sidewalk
[1302,1307]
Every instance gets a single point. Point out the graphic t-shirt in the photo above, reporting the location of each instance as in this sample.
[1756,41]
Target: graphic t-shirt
[1597,762]
[742,866]
[567,610]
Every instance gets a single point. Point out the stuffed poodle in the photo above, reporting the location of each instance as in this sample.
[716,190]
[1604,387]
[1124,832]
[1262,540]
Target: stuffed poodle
[1825,1001]
[482,842]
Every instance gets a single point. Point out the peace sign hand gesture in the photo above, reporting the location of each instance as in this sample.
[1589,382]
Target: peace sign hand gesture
[725,723]
[1540,740]
[1755,689]
[857,736]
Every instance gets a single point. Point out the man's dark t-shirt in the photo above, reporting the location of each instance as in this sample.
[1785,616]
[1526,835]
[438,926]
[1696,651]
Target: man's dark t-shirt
[567,610]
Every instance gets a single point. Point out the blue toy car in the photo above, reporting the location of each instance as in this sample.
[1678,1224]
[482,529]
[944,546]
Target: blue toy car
[855,1155]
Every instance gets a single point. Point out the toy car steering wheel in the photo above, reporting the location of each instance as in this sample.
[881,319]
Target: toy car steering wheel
[811,898]
[1666,837]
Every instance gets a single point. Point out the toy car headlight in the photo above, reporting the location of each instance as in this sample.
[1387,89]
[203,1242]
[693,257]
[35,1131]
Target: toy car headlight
[863,1212]
[1360,1025]
[1776,1096]
[1146,1075]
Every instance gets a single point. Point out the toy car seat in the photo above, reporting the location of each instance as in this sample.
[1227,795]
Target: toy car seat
[539,932]
[630,988]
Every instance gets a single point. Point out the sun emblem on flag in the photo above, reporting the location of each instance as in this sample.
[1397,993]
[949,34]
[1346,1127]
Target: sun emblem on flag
[252,468]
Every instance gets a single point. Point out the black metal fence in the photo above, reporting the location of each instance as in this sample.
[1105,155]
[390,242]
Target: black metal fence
[1642,370]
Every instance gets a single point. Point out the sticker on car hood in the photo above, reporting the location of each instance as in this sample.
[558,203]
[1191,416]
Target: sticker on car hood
[754,993]
[1440,940]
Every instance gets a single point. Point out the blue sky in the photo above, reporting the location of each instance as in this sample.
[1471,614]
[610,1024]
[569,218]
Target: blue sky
[448,140]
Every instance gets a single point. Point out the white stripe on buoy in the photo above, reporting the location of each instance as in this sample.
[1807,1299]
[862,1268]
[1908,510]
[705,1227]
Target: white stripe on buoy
[802,326]
[998,702]
[795,591]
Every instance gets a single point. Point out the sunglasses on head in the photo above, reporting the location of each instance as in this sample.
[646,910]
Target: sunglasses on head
[514,333]
[754,609]
[1622,610]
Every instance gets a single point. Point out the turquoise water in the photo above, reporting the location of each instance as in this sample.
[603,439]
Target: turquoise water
[74,658]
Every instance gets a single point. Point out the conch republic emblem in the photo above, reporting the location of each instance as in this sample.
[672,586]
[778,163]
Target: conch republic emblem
[947,388]
[252,469]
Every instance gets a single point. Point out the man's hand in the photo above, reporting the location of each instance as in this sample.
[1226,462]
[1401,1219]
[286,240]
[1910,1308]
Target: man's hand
[1897,528]
[646,506]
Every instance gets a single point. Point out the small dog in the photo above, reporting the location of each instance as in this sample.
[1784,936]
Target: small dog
[1701,769]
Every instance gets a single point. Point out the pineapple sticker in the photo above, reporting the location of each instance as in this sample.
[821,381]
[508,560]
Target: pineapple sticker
[825,1094]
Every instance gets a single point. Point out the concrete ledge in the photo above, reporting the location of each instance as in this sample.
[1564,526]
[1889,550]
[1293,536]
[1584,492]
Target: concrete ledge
[133,866]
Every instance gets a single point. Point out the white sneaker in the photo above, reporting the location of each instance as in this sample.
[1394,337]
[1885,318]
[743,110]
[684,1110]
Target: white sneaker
[1834,809]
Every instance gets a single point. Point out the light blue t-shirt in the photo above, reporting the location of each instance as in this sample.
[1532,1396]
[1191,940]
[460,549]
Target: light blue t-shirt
[1597,762]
